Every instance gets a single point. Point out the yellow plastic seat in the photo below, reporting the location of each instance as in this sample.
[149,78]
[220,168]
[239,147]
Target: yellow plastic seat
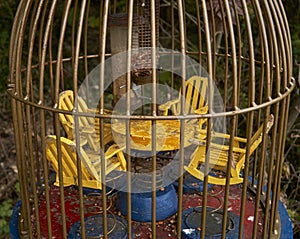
[219,154]
[89,127]
[90,162]
[195,100]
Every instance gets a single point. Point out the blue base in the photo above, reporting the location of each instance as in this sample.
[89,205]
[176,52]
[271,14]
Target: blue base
[116,226]
[141,203]
[192,185]
[286,223]
[189,232]
[14,224]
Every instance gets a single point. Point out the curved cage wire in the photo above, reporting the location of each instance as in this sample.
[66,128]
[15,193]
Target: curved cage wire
[114,55]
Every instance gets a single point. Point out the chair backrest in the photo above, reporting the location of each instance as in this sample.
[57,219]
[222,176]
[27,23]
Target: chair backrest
[90,162]
[257,137]
[195,94]
[255,141]
[66,102]
[196,101]
[82,107]
[114,159]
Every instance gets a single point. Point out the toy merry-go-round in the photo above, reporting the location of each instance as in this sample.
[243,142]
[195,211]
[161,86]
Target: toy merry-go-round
[150,119]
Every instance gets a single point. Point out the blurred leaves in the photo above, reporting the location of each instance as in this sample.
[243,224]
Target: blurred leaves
[5,213]
[236,9]
[292,8]
[7,9]
[291,169]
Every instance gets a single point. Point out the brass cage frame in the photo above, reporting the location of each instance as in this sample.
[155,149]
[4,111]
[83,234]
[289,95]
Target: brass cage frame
[51,50]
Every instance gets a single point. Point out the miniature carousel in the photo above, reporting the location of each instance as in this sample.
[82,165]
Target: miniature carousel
[150,119]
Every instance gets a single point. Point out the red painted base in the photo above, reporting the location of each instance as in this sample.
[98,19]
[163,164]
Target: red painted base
[164,229]
[92,206]
[168,228]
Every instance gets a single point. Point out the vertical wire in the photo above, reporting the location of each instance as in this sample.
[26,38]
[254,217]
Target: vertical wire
[287,35]
[272,168]
[199,33]
[128,144]
[277,89]
[101,50]
[85,48]
[249,123]
[42,58]
[260,189]
[51,79]
[213,41]
[56,119]
[13,42]
[209,120]
[40,48]
[172,41]
[286,61]
[73,32]
[29,91]
[267,67]
[234,118]
[39,43]
[239,51]
[226,71]
[19,130]
[26,168]
[115,7]
[260,21]
[278,167]
[100,27]
[76,52]
[13,89]
[154,113]
[269,208]
[182,108]
[102,80]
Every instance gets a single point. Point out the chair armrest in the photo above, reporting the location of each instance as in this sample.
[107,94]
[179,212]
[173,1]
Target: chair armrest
[216,135]
[85,129]
[201,111]
[227,136]
[166,106]
[67,123]
[113,150]
[201,142]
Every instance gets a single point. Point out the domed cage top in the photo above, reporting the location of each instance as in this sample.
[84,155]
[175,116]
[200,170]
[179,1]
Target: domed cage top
[138,96]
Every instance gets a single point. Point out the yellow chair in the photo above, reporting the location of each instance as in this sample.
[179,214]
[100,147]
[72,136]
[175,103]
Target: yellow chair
[89,127]
[195,98]
[90,162]
[219,154]
[195,101]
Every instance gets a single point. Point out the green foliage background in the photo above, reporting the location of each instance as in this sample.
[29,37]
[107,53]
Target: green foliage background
[292,8]
[7,11]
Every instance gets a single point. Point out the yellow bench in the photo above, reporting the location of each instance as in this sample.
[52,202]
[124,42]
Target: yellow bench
[66,151]
[219,153]
[195,101]
[89,127]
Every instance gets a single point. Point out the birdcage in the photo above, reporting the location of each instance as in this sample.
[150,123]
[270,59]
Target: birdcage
[150,119]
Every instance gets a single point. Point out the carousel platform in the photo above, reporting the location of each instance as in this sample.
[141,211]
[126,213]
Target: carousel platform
[167,223]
